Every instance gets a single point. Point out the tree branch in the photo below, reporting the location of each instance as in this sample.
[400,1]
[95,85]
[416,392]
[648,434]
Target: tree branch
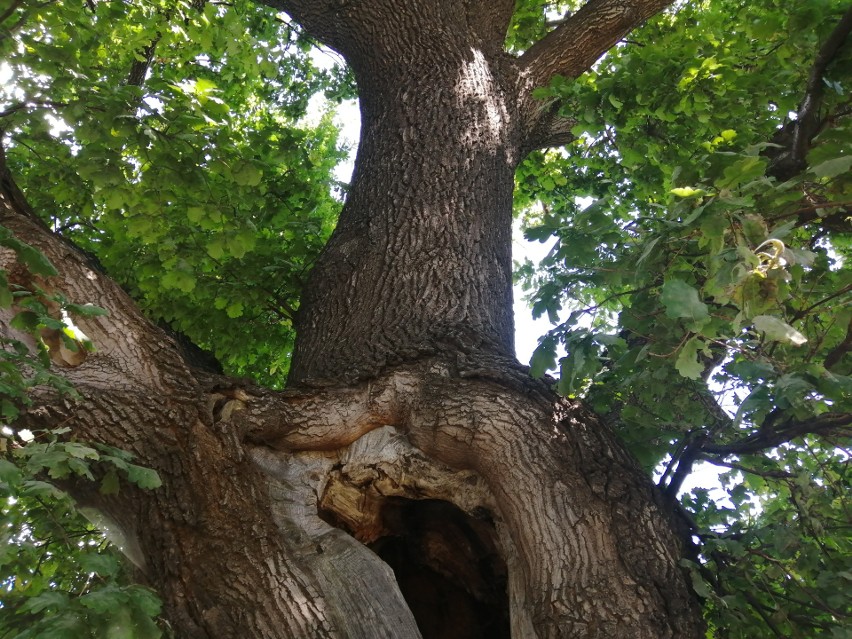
[768,474]
[140,66]
[12,8]
[573,47]
[837,353]
[796,137]
[685,461]
[822,425]
[131,352]
[570,50]
[35,104]
[6,32]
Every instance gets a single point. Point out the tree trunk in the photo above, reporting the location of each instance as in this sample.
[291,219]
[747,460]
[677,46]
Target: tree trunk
[413,481]
[420,262]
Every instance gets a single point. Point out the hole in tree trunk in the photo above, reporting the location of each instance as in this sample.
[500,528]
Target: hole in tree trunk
[447,567]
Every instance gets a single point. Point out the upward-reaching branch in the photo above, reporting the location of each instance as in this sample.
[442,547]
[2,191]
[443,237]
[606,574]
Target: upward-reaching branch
[796,138]
[131,352]
[573,47]
[570,50]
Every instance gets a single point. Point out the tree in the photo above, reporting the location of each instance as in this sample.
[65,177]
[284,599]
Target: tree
[502,508]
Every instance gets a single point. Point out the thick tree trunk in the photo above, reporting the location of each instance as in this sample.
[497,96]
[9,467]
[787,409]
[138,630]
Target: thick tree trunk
[491,507]
[420,262]
[558,533]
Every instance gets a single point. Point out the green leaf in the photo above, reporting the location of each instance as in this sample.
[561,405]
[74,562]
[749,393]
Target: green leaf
[543,359]
[181,280]
[742,171]
[10,474]
[25,321]
[86,310]
[143,477]
[145,600]
[778,330]
[687,191]
[105,565]
[682,301]
[46,601]
[834,167]
[109,483]
[247,175]
[6,297]
[31,257]
[216,248]
[688,363]
[195,214]
[542,93]
[699,585]
[80,451]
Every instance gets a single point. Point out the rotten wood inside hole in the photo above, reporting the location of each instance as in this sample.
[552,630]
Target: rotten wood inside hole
[446,562]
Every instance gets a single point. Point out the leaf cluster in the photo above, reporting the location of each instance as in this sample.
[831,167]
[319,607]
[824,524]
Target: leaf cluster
[701,292]
[59,576]
[167,139]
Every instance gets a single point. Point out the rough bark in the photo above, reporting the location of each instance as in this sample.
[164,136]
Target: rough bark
[421,258]
[404,397]
[420,262]
[207,540]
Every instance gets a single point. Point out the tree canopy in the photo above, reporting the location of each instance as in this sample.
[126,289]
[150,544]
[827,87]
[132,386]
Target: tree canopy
[702,298]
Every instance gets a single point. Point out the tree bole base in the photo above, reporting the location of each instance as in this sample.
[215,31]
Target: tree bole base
[542,493]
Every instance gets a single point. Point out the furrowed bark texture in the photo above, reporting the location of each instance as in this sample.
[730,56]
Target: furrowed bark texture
[491,507]
[421,258]
[206,540]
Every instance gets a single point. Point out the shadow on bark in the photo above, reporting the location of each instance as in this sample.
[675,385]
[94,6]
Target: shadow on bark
[447,565]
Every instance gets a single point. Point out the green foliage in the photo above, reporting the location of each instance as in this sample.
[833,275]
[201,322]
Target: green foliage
[194,184]
[707,298]
[58,575]
[784,569]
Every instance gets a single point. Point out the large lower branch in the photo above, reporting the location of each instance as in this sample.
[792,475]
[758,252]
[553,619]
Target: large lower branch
[207,540]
